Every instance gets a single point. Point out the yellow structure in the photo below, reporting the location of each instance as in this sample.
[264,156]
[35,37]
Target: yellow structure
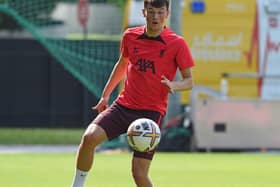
[223,39]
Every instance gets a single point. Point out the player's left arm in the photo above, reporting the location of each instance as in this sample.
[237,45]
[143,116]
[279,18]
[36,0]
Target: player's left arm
[186,83]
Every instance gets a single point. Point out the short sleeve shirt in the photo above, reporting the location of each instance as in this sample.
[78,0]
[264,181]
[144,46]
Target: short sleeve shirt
[149,59]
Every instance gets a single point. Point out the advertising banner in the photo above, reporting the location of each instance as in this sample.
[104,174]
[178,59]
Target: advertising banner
[269,54]
[222,36]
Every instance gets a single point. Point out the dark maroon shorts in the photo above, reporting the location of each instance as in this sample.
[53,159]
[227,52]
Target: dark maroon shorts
[116,119]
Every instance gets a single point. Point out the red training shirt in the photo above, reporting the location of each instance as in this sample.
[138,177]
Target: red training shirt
[150,58]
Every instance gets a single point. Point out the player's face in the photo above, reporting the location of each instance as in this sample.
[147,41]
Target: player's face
[155,19]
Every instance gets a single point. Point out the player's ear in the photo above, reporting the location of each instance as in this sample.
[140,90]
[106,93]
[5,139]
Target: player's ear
[167,13]
[144,12]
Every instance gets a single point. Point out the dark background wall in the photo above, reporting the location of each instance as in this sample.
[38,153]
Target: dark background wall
[36,91]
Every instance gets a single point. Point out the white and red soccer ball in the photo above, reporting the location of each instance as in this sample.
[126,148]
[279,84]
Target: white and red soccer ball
[143,135]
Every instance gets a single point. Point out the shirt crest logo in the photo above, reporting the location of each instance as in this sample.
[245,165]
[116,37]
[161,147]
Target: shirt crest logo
[161,53]
[135,50]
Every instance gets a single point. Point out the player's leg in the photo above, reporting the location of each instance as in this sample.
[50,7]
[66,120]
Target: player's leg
[142,160]
[140,172]
[93,136]
[106,126]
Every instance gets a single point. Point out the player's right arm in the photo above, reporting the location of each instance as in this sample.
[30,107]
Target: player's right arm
[115,77]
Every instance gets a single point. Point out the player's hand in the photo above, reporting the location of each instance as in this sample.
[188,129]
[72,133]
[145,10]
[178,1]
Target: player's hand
[101,105]
[167,83]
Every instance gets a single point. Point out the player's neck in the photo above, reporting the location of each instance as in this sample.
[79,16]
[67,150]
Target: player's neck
[153,33]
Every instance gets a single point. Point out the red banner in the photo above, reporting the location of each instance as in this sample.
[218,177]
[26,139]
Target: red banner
[83,12]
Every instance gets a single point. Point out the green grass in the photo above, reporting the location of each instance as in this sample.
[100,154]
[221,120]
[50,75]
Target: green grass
[167,170]
[40,136]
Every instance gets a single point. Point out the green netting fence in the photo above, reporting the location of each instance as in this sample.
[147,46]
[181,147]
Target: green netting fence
[89,59]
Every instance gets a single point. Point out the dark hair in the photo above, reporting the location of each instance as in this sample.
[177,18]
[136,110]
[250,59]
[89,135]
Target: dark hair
[157,3]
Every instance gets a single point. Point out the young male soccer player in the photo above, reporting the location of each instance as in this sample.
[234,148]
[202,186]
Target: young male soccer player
[150,56]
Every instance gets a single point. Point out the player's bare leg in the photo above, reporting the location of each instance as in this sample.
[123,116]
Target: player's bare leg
[93,136]
[140,172]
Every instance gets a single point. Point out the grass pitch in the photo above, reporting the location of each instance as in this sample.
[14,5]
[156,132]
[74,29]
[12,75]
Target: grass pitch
[167,170]
[40,136]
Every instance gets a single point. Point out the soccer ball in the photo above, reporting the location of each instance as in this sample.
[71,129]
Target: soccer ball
[143,135]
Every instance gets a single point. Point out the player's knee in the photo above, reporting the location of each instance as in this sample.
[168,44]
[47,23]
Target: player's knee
[90,139]
[93,136]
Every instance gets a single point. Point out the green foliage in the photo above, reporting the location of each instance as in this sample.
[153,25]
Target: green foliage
[119,3]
